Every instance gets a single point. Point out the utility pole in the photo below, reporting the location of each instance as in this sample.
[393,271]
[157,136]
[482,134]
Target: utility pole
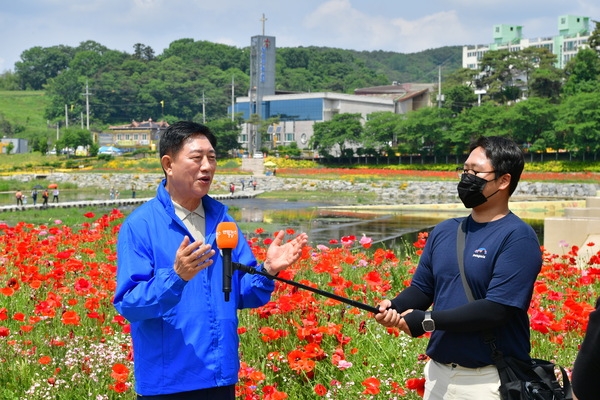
[87,104]
[440,96]
[203,109]
[66,117]
[232,98]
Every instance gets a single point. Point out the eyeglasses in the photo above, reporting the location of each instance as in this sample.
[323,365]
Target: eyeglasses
[463,170]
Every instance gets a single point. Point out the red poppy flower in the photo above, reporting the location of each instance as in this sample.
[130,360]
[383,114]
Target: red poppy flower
[44,360]
[19,317]
[417,384]
[119,387]
[320,389]
[371,385]
[70,318]
[120,372]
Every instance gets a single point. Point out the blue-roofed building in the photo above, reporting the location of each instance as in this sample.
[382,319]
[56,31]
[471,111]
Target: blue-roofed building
[299,111]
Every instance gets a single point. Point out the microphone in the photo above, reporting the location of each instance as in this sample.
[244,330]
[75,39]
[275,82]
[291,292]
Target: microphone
[227,239]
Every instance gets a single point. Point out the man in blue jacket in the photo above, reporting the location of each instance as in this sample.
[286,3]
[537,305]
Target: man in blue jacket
[170,280]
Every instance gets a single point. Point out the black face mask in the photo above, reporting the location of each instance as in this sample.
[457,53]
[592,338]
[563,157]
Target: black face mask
[470,190]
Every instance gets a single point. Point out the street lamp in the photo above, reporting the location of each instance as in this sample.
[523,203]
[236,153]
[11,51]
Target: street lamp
[479,92]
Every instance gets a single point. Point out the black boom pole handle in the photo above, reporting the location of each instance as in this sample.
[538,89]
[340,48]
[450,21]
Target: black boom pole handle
[346,300]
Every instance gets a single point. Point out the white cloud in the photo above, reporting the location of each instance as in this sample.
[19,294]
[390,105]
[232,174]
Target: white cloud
[389,25]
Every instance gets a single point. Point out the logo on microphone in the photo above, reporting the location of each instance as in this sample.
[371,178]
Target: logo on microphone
[227,235]
[227,239]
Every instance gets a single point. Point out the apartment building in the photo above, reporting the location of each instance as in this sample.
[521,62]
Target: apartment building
[572,35]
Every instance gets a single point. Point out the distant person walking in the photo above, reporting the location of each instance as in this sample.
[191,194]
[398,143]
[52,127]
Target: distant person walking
[19,197]
[243,182]
[34,196]
[45,196]
[55,193]
[254,183]
[232,188]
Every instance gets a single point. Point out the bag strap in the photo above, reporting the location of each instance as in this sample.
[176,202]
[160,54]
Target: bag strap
[461,233]
[566,383]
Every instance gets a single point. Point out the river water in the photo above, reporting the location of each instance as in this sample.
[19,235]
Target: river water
[320,220]
[323,222]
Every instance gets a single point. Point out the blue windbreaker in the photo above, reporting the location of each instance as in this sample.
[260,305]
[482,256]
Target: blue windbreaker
[184,333]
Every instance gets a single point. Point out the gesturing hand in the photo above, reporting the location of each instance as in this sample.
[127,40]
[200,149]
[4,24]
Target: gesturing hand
[192,258]
[280,256]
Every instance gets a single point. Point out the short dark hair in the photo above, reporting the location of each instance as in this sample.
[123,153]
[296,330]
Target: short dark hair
[173,138]
[505,155]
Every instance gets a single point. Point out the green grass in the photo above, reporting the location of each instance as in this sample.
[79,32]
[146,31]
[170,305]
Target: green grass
[25,109]
[69,216]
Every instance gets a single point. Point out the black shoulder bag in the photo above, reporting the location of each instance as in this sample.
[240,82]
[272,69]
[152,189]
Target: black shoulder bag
[519,380]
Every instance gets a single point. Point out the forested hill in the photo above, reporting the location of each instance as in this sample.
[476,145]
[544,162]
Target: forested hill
[422,67]
[140,84]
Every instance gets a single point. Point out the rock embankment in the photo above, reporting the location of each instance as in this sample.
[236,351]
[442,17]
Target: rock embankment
[388,191]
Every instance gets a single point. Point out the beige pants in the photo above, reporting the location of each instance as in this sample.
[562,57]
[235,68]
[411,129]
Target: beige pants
[453,382]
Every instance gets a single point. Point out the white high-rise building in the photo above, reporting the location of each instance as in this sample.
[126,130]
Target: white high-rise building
[573,34]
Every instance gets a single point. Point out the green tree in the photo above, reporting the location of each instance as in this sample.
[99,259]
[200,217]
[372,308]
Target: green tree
[507,74]
[594,39]
[529,60]
[496,75]
[9,81]
[143,52]
[291,150]
[64,89]
[381,130]
[459,97]
[578,123]
[332,138]
[425,131]
[488,119]
[583,73]
[545,82]
[73,138]
[227,133]
[531,123]
[39,64]
[203,53]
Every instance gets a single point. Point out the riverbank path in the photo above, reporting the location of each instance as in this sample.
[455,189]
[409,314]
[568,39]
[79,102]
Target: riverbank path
[116,202]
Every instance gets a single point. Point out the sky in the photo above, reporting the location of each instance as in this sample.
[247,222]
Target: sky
[391,25]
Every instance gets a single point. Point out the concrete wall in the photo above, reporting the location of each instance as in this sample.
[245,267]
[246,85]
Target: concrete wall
[578,227]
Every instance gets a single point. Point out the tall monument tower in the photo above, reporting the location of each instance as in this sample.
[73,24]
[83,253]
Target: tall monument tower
[262,77]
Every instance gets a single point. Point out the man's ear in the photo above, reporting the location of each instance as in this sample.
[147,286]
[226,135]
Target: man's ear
[166,162]
[505,181]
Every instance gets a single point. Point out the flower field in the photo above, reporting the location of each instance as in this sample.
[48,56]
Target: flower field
[60,336]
